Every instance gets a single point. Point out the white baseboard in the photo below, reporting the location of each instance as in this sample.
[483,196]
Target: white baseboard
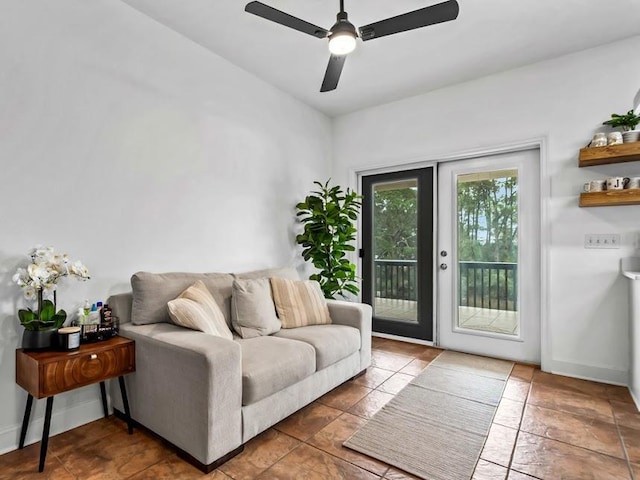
[635,399]
[61,421]
[590,372]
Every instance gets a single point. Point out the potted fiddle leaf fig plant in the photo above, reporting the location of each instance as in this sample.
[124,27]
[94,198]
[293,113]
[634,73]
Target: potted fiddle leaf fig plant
[39,280]
[627,122]
[328,215]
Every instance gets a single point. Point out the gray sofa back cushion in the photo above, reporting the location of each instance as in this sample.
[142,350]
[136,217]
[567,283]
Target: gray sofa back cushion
[252,310]
[289,273]
[152,291]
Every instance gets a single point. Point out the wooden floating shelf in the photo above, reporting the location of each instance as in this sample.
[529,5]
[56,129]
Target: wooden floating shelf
[626,152]
[610,198]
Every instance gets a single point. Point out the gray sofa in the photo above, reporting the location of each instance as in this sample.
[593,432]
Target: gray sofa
[207,395]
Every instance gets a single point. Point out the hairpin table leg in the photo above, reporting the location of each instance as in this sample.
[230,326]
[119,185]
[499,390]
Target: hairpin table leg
[25,420]
[103,394]
[45,434]
[125,401]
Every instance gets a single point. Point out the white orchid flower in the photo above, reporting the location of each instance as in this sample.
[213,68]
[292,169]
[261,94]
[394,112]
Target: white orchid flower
[48,289]
[78,269]
[40,271]
[30,293]
[42,254]
[65,262]
[46,268]
[21,277]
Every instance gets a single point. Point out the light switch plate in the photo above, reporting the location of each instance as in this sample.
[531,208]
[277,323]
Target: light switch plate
[602,240]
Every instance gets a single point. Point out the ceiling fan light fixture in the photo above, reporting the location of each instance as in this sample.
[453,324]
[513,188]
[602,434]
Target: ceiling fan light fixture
[342,43]
[342,37]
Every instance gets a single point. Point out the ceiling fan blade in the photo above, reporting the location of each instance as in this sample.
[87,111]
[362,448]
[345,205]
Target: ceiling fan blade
[332,75]
[270,13]
[439,13]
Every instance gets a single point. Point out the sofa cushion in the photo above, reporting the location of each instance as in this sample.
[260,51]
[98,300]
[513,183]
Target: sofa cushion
[196,309]
[152,292]
[252,310]
[281,272]
[270,364]
[299,303]
[332,343]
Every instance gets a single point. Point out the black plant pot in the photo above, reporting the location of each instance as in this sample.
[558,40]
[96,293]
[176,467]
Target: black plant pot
[39,339]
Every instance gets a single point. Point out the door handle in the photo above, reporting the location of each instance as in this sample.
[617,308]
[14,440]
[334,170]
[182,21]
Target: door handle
[443,266]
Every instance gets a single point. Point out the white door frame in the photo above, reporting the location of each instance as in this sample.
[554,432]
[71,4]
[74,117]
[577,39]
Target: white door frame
[539,143]
[526,344]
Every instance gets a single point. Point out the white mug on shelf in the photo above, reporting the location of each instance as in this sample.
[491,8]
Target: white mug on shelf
[614,138]
[594,186]
[632,182]
[599,140]
[615,183]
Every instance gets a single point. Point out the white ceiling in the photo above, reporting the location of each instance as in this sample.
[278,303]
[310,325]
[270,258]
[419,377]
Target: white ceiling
[489,36]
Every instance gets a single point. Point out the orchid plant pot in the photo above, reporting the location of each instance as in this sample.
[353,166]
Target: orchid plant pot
[40,339]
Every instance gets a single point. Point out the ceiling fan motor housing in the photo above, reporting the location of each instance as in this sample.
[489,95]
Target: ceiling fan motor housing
[343,26]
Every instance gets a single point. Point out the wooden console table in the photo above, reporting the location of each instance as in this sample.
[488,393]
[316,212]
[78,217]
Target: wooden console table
[44,374]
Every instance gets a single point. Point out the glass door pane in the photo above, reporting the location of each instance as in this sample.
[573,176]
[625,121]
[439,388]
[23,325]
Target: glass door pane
[395,250]
[487,251]
[397,253]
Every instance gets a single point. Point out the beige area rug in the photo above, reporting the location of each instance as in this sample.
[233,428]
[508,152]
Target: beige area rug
[436,426]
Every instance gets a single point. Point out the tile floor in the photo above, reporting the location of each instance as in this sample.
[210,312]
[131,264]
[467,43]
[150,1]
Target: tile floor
[546,427]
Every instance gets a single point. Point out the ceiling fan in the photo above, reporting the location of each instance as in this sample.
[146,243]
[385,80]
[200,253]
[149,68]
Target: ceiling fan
[342,36]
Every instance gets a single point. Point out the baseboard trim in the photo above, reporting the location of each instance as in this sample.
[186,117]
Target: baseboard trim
[203,467]
[62,420]
[635,399]
[590,372]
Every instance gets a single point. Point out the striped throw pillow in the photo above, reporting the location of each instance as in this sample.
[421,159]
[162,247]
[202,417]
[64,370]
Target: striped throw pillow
[299,303]
[195,308]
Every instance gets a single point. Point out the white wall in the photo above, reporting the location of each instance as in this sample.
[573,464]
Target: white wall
[563,100]
[131,148]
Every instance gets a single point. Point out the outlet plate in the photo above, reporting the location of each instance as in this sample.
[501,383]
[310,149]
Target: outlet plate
[602,240]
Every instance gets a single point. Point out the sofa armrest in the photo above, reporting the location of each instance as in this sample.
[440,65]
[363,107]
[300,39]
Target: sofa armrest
[121,304]
[357,315]
[187,388]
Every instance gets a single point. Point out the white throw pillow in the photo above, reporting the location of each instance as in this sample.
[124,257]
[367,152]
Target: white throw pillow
[253,313]
[196,309]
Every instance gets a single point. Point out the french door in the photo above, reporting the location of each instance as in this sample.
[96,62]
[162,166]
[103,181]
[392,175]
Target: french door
[489,255]
[397,254]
